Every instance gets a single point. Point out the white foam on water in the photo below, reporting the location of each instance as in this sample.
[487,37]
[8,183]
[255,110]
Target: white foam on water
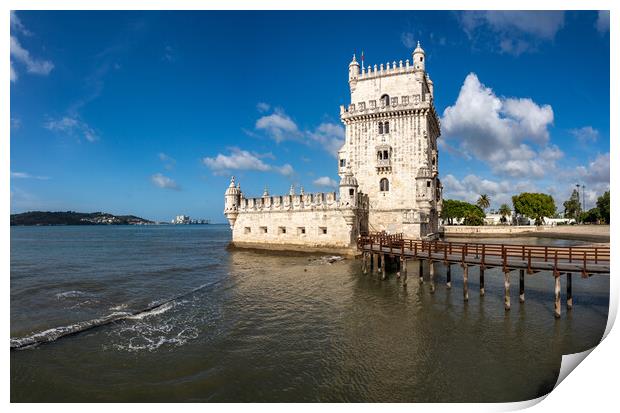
[70,294]
[158,310]
[57,332]
[119,307]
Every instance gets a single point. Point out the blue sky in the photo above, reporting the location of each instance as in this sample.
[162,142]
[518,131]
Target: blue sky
[149,113]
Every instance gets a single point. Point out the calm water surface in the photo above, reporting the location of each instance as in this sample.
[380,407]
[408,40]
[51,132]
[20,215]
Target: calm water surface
[250,326]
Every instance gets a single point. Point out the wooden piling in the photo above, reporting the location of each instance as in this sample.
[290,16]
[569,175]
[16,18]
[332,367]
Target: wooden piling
[507,290]
[375,263]
[569,291]
[521,286]
[421,278]
[465,287]
[449,277]
[404,271]
[481,281]
[557,307]
[431,274]
[383,266]
[364,263]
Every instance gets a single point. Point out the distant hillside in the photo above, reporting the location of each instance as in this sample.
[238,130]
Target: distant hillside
[75,218]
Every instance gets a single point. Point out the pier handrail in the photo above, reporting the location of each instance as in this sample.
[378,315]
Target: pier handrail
[525,253]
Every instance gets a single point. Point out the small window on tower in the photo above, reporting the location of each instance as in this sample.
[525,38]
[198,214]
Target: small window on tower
[428,184]
[386,155]
[421,58]
[343,163]
[384,185]
[351,191]
[386,127]
[380,128]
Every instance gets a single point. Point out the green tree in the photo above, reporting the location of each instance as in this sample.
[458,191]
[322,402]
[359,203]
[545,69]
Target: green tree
[473,218]
[504,211]
[592,216]
[572,207]
[603,205]
[453,209]
[483,202]
[534,205]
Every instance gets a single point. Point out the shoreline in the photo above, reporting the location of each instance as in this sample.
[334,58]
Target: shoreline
[588,233]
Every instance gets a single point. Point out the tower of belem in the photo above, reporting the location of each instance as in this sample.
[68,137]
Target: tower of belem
[388,168]
[391,145]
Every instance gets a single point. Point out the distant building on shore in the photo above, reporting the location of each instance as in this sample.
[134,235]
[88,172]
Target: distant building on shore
[185,220]
[181,219]
[388,168]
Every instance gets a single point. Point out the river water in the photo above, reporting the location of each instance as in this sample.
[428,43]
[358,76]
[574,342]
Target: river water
[193,321]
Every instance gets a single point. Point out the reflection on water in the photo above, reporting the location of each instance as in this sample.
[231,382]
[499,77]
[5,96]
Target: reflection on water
[274,327]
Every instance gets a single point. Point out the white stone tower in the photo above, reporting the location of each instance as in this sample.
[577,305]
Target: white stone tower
[232,199]
[391,145]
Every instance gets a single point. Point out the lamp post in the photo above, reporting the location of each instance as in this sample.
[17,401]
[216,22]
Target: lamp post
[578,186]
[583,192]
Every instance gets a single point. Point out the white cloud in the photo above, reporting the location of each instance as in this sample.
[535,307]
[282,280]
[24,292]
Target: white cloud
[72,126]
[597,171]
[517,31]
[163,181]
[325,181]
[13,72]
[239,159]
[25,175]
[408,40]
[16,123]
[263,107]
[587,134]
[286,170]
[34,66]
[602,21]
[496,130]
[168,161]
[17,25]
[279,126]
[168,54]
[330,136]
[472,186]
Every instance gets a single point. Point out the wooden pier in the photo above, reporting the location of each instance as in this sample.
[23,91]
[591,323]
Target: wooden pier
[583,260]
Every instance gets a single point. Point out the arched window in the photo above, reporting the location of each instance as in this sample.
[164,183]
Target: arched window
[384,185]
[386,100]
[386,127]
[380,128]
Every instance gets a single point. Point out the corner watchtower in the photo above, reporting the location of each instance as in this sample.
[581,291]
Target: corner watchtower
[419,59]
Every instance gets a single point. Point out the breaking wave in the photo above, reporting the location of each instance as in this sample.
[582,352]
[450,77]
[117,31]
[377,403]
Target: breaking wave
[53,334]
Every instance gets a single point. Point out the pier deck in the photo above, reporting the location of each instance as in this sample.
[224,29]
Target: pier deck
[585,260]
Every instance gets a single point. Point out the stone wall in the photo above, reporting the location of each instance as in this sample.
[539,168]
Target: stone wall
[314,229]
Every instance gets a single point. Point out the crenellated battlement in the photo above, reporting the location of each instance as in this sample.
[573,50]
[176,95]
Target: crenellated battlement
[374,71]
[307,201]
[419,101]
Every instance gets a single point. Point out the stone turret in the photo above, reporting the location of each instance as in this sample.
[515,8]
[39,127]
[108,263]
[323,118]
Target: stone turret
[354,72]
[419,58]
[232,202]
[348,189]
